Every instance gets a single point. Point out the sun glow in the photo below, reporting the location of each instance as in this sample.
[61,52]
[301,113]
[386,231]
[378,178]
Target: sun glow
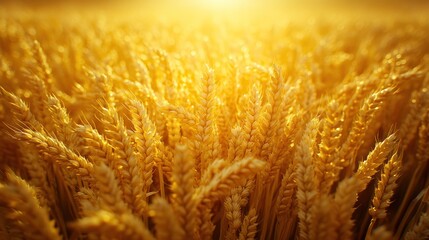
[222,4]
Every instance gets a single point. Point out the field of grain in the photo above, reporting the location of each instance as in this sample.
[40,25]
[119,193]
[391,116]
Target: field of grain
[203,124]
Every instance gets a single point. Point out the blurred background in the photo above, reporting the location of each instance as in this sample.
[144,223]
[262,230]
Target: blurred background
[307,3]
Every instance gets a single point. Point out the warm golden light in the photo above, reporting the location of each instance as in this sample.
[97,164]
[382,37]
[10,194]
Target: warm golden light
[213,119]
[223,3]
[220,4]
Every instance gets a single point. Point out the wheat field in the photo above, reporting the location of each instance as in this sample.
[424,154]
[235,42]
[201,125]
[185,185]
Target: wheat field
[202,125]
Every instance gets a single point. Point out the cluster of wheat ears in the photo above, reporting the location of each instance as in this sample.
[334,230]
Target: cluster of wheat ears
[213,129]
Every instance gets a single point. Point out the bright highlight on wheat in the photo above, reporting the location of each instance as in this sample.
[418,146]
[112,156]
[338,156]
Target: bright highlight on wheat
[196,127]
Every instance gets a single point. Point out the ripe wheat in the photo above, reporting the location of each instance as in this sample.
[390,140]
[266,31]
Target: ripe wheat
[140,128]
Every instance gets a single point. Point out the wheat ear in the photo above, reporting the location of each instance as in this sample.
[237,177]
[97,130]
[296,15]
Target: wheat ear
[44,71]
[230,177]
[62,124]
[306,188]
[271,117]
[329,144]
[233,204]
[417,106]
[422,154]
[39,99]
[94,145]
[147,141]
[109,193]
[205,226]
[322,225]
[287,192]
[112,226]
[234,144]
[345,199]
[206,140]
[233,212]
[251,135]
[117,136]
[21,111]
[181,113]
[375,158]
[385,189]
[167,226]
[37,171]
[419,230]
[174,131]
[212,170]
[249,227]
[218,187]
[368,111]
[183,201]
[25,209]
[380,233]
[56,150]
[283,147]
[88,201]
